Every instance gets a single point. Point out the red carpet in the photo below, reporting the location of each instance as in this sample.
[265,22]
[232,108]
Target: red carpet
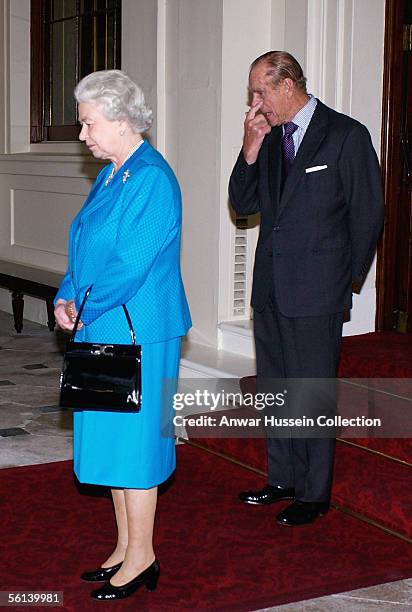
[216,554]
[376,355]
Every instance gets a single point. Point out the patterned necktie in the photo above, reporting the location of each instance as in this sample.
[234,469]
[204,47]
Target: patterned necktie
[288,148]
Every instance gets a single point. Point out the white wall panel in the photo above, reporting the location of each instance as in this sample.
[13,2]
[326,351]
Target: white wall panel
[36,212]
[39,219]
[19,92]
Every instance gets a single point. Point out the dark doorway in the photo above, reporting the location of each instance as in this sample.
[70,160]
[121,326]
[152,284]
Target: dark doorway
[394,265]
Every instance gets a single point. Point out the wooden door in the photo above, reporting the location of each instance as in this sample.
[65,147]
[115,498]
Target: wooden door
[394,268]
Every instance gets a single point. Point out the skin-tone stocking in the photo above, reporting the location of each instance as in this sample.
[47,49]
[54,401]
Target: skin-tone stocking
[122,536]
[135,512]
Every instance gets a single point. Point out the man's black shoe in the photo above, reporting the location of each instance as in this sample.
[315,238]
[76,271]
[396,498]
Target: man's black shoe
[301,513]
[267,495]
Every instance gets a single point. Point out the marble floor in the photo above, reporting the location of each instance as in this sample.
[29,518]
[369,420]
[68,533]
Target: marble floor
[34,430]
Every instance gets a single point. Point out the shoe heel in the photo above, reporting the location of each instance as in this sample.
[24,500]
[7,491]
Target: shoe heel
[151,583]
[151,580]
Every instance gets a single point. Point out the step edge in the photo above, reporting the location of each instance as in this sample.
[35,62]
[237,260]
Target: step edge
[373,451]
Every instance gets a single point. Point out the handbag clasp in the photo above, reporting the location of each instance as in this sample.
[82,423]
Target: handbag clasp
[102,349]
[108,349]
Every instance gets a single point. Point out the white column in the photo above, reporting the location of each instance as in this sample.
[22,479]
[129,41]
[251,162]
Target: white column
[139,48]
[247,33]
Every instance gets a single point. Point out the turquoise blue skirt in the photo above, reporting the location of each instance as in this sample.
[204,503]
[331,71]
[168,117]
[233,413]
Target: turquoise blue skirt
[128,450]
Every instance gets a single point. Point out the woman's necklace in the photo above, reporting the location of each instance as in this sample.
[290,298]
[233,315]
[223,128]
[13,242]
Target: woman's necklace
[126,173]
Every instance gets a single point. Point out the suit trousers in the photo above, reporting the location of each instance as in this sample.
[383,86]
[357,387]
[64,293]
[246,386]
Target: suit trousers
[298,348]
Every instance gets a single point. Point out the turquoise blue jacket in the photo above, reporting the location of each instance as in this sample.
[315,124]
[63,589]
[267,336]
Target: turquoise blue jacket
[125,241]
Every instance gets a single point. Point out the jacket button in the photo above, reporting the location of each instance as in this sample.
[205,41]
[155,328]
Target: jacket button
[276,228]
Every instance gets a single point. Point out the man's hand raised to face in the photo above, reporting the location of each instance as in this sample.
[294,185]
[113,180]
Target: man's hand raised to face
[256,128]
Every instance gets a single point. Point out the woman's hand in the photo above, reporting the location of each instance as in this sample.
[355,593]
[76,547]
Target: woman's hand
[65,313]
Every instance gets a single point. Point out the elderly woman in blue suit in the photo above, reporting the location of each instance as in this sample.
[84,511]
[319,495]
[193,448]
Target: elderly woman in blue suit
[125,241]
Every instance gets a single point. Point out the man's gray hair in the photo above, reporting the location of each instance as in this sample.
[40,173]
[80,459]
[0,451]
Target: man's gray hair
[119,97]
[282,65]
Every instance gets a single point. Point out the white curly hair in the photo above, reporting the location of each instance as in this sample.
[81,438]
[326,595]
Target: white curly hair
[119,97]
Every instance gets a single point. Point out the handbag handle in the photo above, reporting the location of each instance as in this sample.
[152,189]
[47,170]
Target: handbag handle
[76,324]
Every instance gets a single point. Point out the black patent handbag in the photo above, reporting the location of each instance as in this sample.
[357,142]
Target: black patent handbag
[103,377]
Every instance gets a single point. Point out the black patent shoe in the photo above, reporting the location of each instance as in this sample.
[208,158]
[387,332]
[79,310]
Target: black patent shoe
[148,578]
[302,513]
[267,495]
[101,574]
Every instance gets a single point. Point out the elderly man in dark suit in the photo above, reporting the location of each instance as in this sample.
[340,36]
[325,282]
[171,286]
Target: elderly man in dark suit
[313,175]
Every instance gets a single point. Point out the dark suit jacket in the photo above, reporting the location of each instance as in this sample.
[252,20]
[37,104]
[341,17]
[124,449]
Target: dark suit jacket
[320,233]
